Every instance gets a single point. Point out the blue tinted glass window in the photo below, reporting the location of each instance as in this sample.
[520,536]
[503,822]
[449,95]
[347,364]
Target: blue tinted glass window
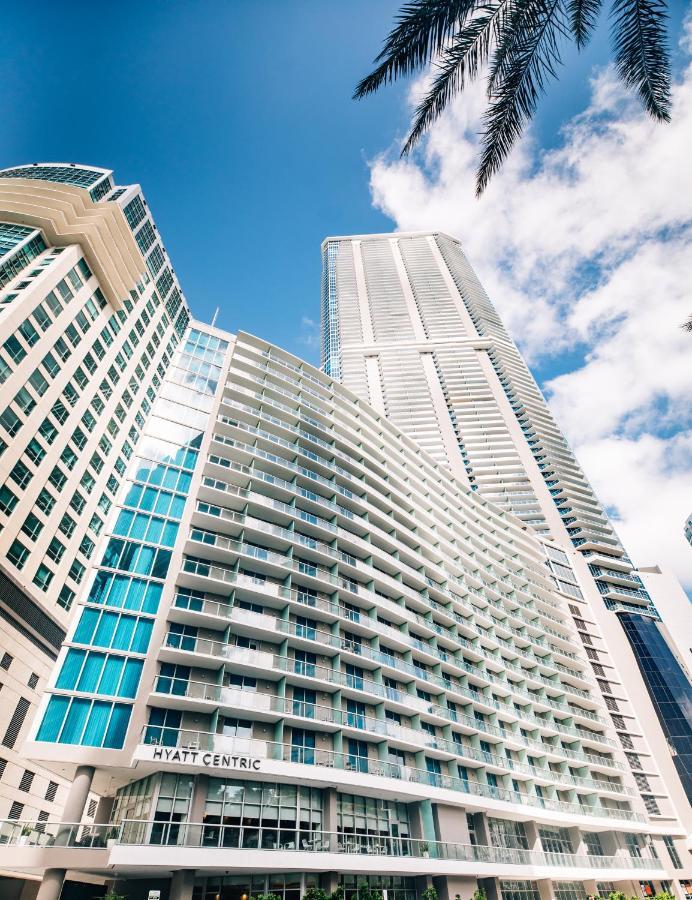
[130,679]
[105,630]
[86,626]
[110,676]
[75,721]
[140,642]
[96,724]
[123,633]
[70,669]
[53,719]
[117,727]
[91,672]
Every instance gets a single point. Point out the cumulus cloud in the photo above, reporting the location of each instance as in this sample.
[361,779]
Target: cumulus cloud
[586,250]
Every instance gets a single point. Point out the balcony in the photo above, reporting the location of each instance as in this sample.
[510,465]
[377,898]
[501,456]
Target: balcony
[188,740]
[163,841]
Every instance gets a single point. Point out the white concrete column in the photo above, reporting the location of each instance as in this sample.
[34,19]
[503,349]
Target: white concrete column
[51,886]
[182,884]
[78,794]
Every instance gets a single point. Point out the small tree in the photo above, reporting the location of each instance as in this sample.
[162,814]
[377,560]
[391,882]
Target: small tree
[315,893]
[429,893]
[478,894]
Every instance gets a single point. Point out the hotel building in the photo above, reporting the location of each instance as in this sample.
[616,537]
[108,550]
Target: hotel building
[308,653]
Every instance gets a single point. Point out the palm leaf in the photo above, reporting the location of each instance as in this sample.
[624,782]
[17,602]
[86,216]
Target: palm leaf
[687,326]
[527,56]
[583,15]
[423,29]
[460,64]
[641,52]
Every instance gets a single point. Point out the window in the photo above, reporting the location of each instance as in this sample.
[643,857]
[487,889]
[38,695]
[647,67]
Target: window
[21,474]
[672,852]
[24,401]
[51,791]
[33,680]
[8,500]
[67,525]
[55,550]
[65,597]
[51,365]
[57,478]
[45,501]
[6,661]
[32,526]
[35,451]
[10,421]
[77,502]
[17,554]
[48,431]
[14,349]
[42,319]
[38,382]
[76,572]
[43,577]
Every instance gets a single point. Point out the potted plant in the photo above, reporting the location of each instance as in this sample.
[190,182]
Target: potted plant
[111,840]
[24,835]
[430,893]
[424,848]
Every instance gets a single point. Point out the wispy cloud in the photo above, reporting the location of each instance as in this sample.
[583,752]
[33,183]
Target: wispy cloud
[309,333]
[586,250]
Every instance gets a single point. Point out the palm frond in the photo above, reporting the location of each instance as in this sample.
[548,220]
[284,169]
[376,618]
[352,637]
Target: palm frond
[687,326]
[527,56]
[422,31]
[460,64]
[642,59]
[583,15]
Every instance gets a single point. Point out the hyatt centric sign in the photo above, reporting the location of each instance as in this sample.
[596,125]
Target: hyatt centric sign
[206,759]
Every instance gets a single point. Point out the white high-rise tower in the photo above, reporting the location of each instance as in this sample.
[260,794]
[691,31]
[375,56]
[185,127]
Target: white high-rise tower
[407,326]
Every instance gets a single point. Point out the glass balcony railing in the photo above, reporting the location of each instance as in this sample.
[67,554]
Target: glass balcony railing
[160,735]
[211,835]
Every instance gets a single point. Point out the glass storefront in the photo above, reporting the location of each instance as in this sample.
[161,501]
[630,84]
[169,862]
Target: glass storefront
[257,814]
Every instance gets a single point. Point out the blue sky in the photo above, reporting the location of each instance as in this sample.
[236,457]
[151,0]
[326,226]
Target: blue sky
[237,120]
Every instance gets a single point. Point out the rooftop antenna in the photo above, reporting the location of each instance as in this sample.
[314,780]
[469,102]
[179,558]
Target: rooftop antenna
[213,320]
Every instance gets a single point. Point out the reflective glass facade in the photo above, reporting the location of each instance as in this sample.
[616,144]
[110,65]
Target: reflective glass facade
[669,688]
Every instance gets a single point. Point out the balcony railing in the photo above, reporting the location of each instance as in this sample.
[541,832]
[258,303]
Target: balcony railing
[160,735]
[208,835]
[236,699]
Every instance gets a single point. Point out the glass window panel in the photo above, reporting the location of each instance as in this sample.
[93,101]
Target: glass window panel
[70,669]
[75,720]
[96,724]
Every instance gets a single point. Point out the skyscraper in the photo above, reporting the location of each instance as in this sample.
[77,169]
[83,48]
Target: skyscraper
[407,326]
[307,654]
[88,331]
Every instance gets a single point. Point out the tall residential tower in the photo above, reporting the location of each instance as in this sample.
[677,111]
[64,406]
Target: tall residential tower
[407,326]
[90,312]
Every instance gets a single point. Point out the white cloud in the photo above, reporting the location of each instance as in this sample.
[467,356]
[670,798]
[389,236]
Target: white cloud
[309,333]
[587,246]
